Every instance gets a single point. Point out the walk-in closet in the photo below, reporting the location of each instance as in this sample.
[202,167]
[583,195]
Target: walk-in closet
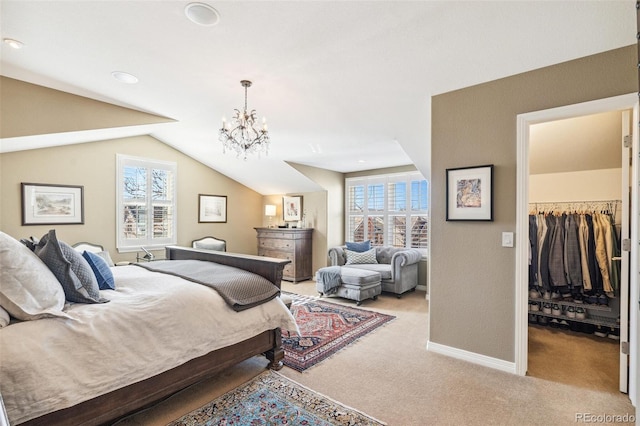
[576,219]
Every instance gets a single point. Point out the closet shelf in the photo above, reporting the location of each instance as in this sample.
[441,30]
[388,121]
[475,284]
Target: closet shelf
[593,319]
[591,307]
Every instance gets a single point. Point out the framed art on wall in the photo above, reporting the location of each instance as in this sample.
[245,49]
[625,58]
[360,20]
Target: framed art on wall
[292,208]
[47,204]
[470,193]
[212,208]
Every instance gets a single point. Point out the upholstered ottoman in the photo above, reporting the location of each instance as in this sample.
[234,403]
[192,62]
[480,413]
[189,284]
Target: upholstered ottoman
[356,284]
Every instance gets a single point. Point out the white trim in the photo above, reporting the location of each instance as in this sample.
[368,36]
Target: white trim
[486,361]
[522,173]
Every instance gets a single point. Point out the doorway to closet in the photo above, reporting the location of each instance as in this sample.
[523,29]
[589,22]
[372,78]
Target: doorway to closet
[616,205]
[575,225]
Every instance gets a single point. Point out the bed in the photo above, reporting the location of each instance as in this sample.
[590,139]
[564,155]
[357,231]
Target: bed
[158,334]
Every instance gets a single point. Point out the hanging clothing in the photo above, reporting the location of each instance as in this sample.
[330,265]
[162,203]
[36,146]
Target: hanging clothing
[572,256]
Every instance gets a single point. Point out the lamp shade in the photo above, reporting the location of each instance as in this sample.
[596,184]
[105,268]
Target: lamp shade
[269,210]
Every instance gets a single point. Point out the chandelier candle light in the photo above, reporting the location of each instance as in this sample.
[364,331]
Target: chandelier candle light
[244,138]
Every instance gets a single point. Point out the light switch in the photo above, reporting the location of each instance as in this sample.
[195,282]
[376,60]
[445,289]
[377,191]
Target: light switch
[507,239]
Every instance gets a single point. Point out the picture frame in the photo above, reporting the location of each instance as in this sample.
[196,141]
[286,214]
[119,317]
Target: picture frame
[212,208]
[292,208]
[470,193]
[51,204]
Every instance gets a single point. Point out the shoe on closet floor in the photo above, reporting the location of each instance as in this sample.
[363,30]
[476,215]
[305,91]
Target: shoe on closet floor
[575,326]
[614,333]
[603,300]
[577,298]
[554,323]
[555,310]
[571,312]
[564,325]
[534,294]
[600,331]
[533,319]
[534,306]
[546,308]
[581,313]
[592,299]
[543,320]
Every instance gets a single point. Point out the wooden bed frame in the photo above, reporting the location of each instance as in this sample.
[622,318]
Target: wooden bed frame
[107,408]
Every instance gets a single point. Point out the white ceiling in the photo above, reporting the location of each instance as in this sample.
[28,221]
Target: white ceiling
[345,85]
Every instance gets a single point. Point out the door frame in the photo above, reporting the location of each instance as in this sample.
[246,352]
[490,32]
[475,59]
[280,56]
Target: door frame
[524,121]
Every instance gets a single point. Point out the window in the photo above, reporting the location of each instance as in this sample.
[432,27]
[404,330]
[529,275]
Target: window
[146,200]
[388,210]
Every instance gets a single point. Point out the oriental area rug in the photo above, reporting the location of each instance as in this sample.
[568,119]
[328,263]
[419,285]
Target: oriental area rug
[325,328]
[272,399]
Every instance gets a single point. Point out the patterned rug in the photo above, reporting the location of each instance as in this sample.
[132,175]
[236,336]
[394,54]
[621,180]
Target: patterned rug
[272,399]
[325,328]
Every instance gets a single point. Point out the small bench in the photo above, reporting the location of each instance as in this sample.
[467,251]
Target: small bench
[356,284]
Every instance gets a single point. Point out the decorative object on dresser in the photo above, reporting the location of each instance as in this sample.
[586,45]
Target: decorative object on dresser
[46,204]
[293,244]
[292,208]
[212,208]
[270,212]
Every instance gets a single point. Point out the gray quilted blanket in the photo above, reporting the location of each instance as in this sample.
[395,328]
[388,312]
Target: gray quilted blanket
[329,279]
[239,288]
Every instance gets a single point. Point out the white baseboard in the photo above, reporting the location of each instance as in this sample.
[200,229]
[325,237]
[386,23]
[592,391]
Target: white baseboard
[487,361]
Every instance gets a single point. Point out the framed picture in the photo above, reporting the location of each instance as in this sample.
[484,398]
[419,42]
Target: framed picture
[292,208]
[212,208]
[470,193]
[46,204]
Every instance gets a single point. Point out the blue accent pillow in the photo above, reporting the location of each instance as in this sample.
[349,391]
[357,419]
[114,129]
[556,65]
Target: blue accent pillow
[359,247]
[101,270]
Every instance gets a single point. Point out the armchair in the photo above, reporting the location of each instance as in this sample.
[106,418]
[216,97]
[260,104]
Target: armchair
[398,267]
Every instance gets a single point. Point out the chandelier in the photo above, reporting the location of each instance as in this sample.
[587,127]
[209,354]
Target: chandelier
[242,136]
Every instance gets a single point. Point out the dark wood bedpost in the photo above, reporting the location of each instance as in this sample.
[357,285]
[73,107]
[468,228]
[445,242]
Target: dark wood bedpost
[276,354]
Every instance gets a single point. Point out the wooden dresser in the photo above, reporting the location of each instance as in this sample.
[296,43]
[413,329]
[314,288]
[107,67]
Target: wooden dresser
[288,243]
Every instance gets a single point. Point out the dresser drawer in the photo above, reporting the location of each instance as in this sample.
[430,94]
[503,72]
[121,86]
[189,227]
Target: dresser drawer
[276,243]
[276,234]
[277,254]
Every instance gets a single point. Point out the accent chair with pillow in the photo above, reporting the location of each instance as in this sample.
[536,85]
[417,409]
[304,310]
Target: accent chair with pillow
[398,267]
[210,243]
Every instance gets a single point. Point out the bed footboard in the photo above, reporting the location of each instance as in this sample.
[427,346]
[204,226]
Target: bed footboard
[268,267]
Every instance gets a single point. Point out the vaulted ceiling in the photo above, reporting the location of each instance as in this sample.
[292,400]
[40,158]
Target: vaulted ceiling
[345,85]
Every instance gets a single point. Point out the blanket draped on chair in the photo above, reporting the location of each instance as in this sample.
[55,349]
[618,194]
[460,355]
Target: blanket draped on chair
[330,279]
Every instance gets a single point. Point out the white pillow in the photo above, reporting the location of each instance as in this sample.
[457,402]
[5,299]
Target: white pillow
[361,258]
[28,289]
[5,319]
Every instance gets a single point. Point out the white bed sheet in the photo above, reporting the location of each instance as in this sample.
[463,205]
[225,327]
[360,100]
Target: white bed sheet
[153,322]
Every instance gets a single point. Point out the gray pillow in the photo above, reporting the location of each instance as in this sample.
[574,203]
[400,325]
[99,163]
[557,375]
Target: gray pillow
[367,257]
[69,267]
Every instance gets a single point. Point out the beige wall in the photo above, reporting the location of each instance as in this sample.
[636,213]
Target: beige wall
[323,210]
[28,109]
[93,165]
[472,295]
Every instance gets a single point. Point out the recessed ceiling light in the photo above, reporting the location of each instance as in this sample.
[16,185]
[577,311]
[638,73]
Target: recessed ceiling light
[124,77]
[361,161]
[202,14]
[16,44]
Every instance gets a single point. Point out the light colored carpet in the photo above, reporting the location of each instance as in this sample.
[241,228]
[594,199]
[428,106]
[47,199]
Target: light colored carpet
[389,375]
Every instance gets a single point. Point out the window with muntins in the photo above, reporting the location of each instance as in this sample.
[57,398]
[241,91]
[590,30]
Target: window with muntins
[146,200]
[389,210]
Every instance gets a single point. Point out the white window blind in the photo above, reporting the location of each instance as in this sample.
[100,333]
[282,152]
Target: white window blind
[388,210]
[146,203]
